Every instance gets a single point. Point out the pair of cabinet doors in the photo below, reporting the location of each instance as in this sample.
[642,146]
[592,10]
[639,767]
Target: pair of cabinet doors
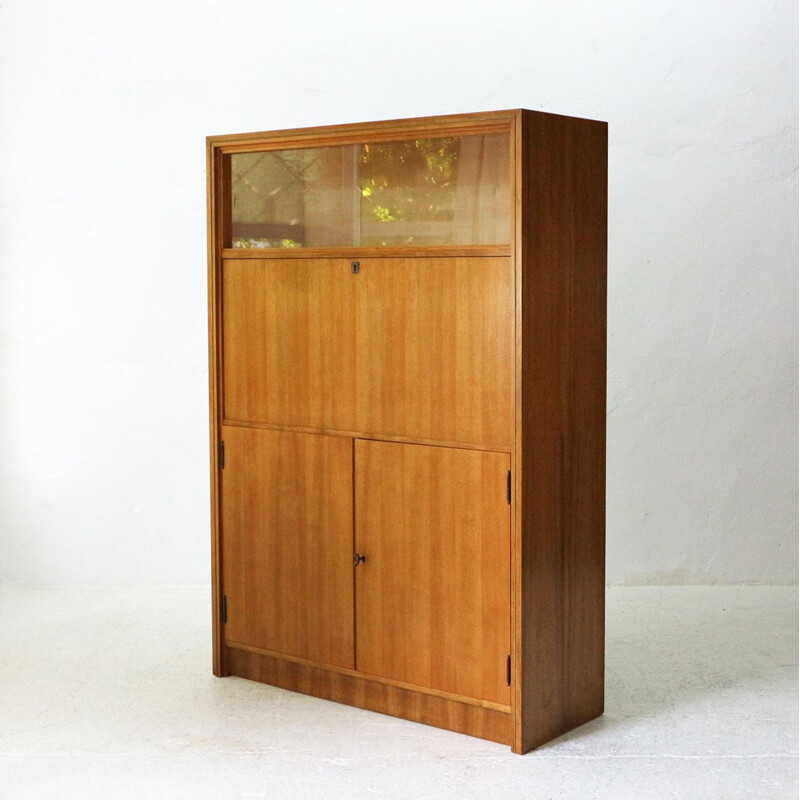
[429,605]
[320,356]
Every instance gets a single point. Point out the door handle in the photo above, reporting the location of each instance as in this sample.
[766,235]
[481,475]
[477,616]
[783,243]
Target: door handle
[358,558]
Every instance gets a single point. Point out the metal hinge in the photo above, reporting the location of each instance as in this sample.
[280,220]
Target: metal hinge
[223,609]
[508,487]
[508,670]
[222,455]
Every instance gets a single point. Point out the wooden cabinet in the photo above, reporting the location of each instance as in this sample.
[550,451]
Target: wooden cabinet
[407,368]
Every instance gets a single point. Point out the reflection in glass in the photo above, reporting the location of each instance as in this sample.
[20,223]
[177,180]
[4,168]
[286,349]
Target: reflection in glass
[442,191]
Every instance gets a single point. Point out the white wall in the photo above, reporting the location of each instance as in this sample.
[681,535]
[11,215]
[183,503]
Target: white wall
[103,384]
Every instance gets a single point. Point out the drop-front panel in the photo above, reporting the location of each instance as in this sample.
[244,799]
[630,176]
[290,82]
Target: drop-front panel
[417,348]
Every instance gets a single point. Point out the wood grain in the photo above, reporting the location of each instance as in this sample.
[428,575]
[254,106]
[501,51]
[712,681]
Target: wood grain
[440,712]
[460,698]
[433,596]
[412,348]
[376,437]
[384,130]
[560,523]
[287,540]
[435,349]
[289,342]
[556,293]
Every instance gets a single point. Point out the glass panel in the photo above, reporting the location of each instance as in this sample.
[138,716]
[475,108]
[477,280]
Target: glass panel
[443,191]
[293,198]
[435,191]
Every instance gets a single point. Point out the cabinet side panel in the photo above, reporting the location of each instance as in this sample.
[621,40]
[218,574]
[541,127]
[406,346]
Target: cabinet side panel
[562,223]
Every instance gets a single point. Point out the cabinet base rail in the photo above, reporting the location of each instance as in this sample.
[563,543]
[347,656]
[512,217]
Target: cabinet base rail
[485,723]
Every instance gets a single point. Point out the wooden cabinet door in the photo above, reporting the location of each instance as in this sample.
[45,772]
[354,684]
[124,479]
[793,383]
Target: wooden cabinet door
[287,543]
[433,595]
[289,342]
[435,349]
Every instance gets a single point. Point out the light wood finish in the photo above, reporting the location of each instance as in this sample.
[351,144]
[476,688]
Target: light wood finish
[355,133]
[287,511]
[289,342]
[435,344]
[350,253]
[412,348]
[560,455]
[433,596]
[440,712]
[472,701]
[376,437]
[334,140]
[554,436]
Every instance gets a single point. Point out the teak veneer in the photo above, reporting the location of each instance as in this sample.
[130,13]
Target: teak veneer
[407,338]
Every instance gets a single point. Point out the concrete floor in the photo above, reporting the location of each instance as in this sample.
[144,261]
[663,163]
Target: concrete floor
[108,693]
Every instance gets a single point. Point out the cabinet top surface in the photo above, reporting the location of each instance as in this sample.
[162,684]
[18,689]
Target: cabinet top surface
[477,120]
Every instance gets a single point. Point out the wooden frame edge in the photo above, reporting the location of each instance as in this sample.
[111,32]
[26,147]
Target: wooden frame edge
[359,251]
[516,485]
[214,250]
[360,129]
[488,447]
